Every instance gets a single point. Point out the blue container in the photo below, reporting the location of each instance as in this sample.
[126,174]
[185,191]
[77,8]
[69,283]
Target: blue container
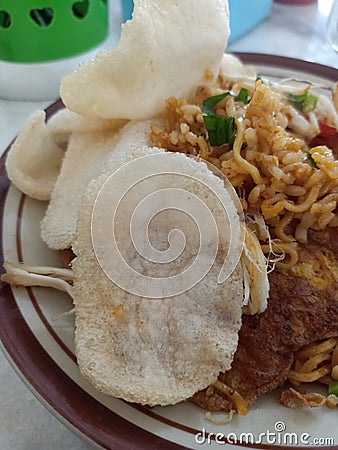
[127,9]
[244,15]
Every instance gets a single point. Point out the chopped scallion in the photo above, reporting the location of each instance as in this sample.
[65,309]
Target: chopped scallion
[312,161]
[243,96]
[333,388]
[305,103]
[220,131]
[210,103]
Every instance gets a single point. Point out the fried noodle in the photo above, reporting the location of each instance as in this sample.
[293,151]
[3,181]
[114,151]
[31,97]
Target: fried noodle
[275,170]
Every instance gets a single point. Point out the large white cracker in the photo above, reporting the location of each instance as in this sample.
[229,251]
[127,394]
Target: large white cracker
[87,156]
[167,49]
[34,160]
[159,352]
[65,122]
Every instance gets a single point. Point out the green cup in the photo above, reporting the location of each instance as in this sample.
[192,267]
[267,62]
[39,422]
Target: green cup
[49,30]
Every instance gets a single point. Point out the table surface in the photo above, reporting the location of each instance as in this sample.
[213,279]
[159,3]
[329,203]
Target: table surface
[293,31]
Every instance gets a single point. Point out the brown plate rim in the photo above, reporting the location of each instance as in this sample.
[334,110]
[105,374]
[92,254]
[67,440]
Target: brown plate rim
[45,378]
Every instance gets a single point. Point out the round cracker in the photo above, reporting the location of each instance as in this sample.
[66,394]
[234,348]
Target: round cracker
[152,351]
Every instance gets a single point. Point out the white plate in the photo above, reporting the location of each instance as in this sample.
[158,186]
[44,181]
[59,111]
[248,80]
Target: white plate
[43,349]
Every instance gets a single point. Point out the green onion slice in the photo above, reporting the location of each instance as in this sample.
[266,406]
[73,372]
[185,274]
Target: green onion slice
[305,103]
[312,161]
[243,96]
[210,103]
[333,388]
[220,131]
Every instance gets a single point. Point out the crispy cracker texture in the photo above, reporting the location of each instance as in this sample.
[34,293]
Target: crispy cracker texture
[165,50]
[88,155]
[153,351]
[34,161]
